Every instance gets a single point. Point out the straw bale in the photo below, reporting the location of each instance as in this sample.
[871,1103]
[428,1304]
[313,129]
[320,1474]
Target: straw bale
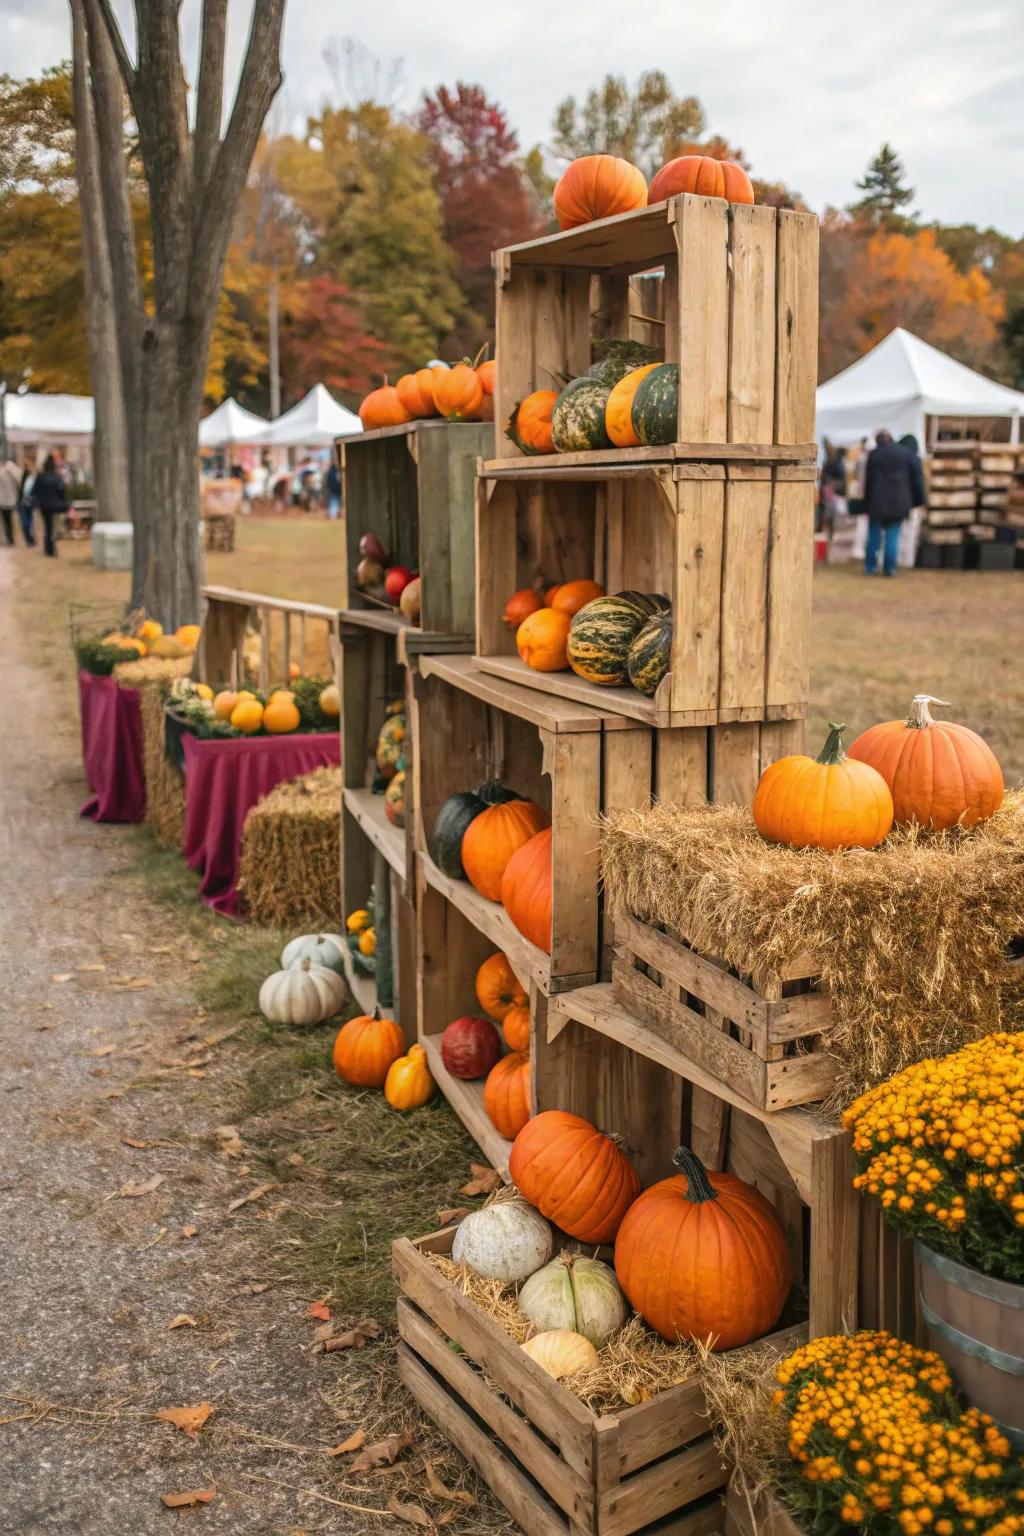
[291,853]
[165,790]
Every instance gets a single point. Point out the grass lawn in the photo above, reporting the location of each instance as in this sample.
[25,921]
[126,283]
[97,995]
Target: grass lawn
[875,643]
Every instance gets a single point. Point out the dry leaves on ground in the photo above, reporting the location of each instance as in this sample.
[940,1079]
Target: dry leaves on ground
[452,1215]
[135,1191]
[319,1309]
[189,1232]
[188,1500]
[254,1194]
[364,1332]
[229,1141]
[183,1320]
[353,1443]
[412,1514]
[483,1180]
[439,1490]
[382,1453]
[190,1419]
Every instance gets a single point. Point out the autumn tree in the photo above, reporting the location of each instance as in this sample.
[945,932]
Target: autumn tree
[885,192]
[644,125]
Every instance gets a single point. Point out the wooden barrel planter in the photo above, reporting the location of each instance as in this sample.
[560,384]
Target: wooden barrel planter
[977,1325]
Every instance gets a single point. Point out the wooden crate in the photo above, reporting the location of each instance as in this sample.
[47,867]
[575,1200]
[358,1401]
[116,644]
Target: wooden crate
[413,486]
[729,544]
[557,1467]
[740,317]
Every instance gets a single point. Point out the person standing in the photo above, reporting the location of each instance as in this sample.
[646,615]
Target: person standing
[49,495]
[893,485]
[10,485]
[332,485]
[26,511]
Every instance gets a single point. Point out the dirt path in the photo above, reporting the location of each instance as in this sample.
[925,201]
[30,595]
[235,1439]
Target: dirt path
[116,1188]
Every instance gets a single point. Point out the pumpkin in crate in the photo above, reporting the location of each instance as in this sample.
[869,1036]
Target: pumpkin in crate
[409,1083]
[365,1048]
[458,393]
[416,392]
[383,408]
[394,800]
[507,1240]
[702,1255]
[453,820]
[574,595]
[529,425]
[302,994]
[498,988]
[600,637]
[596,187]
[520,606]
[577,1293]
[655,412]
[650,654]
[493,837]
[574,1174]
[618,413]
[704,176]
[560,1352]
[319,948]
[390,745]
[617,357]
[541,640]
[507,1094]
[577,416]
[470,1047]
[939,774]
[526,889]
[515,1027]
[831,801]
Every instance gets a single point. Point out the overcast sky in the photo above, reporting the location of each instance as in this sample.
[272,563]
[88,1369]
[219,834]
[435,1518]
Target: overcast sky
[808,90]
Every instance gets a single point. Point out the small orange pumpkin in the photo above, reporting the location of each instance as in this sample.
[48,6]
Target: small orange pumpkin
[829,802]
[516,1028]
[492,838]
[224,704]
[574,595]
[574,1174]
[551,593]
[365,1049]
[541,640]
[526,889]
[383,408]
[486,373]
[704,176]
[498,988]
[458,392]
[529,426]
[409,1083]
[416,392]
[596,187]
[520,605]
[247,716]
[507,1094]
[618,411]
[940,774]
[281,715]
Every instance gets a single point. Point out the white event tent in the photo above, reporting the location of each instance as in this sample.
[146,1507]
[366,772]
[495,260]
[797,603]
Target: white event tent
[899,384]
[230,423]
[314,423]
[56,420]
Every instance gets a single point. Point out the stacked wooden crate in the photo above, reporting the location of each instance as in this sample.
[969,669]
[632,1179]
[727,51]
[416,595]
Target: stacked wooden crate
[1000,519]
[975,505]
[952,503]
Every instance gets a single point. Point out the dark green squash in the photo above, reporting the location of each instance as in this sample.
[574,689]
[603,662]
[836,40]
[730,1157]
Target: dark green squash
[600,636]
[445,842]
[615,358]
[650,602]
[650,654]
[577,417]
[656,406]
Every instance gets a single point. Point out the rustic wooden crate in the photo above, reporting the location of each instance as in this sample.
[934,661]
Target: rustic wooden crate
[740,314]
[729,544]
[413,486]
[765,1047]
[557,1467]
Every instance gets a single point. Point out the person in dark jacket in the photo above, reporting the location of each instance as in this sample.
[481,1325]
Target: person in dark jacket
[893,486]
[48,494]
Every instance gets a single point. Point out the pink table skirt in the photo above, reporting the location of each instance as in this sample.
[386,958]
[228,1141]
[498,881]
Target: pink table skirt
[223,781]
[111,749]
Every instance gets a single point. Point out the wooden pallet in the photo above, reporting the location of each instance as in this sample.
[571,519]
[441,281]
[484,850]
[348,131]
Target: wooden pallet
[740,315]
[556,1466]
[729,545]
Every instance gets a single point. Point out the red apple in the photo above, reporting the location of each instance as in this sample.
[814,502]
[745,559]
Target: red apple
[396,580]
[470,1047]
[372,549]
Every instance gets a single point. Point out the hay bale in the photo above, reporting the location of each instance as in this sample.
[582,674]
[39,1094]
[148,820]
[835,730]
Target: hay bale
[165,789]
[911,937]
[291,853]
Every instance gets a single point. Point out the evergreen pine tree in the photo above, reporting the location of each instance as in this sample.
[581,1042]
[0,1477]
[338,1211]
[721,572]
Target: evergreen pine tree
[885,193]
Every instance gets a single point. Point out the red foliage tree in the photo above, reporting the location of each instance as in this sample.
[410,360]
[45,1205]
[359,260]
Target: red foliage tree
[324,338]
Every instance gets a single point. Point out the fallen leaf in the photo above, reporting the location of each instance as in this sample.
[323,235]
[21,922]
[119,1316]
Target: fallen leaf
[190,1232]
[323,1333]
[319,1309]
[438,1490]
[103,1050]
[133,1191]
[353,1338]
[483,1180]
[295,1160]
[132,1141]
[412,1514]
[453,1214]
[254,1194]
[97,965]
[183,1320]
[187,1500]
[382,1453]
[230,1140]
[353,1443]
[63,976]
[255,1288]
[190,1419]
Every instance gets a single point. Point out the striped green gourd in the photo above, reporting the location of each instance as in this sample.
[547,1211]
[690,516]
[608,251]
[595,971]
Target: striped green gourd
[577,417]
[656,406]
[600,636]
[650,654]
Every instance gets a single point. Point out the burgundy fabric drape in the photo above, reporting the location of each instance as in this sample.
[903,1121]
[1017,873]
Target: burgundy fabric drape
[223,781]
[111,749]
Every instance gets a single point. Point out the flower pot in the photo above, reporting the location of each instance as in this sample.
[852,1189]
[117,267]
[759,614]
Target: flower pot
[977,1325]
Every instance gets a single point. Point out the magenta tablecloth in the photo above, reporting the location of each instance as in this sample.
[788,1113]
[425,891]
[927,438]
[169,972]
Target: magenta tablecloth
[223,781]
[111,749]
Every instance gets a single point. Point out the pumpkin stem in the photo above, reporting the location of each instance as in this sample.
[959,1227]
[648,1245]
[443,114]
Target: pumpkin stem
[920,716]
[698,1185]
[480,357]
[832,752]
[305,964]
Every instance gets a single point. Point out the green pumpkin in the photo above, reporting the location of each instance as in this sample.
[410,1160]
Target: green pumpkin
[577,417]
[617,358]
[445,842]
[649,602]
[650,654]
[656,406]
[600,636]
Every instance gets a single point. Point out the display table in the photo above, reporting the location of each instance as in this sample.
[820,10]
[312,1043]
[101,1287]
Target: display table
[223,781]
[111,749]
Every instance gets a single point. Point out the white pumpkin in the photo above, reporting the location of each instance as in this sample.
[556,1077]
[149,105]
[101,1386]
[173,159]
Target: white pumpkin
[327,949]
[561,1352]
[505,1241]
[577,1293]
[303,994]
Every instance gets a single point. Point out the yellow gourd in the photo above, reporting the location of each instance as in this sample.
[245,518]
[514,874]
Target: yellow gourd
[247,716]
[409,1083]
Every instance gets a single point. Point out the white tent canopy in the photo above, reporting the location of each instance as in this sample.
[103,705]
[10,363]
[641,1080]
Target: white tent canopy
[64,420]
[899,383]
[230,423]
[314,423]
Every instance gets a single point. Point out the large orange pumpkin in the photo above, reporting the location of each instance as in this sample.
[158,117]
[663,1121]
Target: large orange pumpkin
[492,838]
[383,408]
[597,186]
[618,410]
[516,1028]
[458,392]
[416,392]
[498,988]
[529,426]
[703,175]
[575,1175]
[940,774]
[507,1094]
[541,640]
[574,595]
[526,890]
[520,605]
[702,1255]
[825,802]
[365,1048]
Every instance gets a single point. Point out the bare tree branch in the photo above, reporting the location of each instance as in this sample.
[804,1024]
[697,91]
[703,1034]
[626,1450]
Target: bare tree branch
[117,43]
[210,93]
